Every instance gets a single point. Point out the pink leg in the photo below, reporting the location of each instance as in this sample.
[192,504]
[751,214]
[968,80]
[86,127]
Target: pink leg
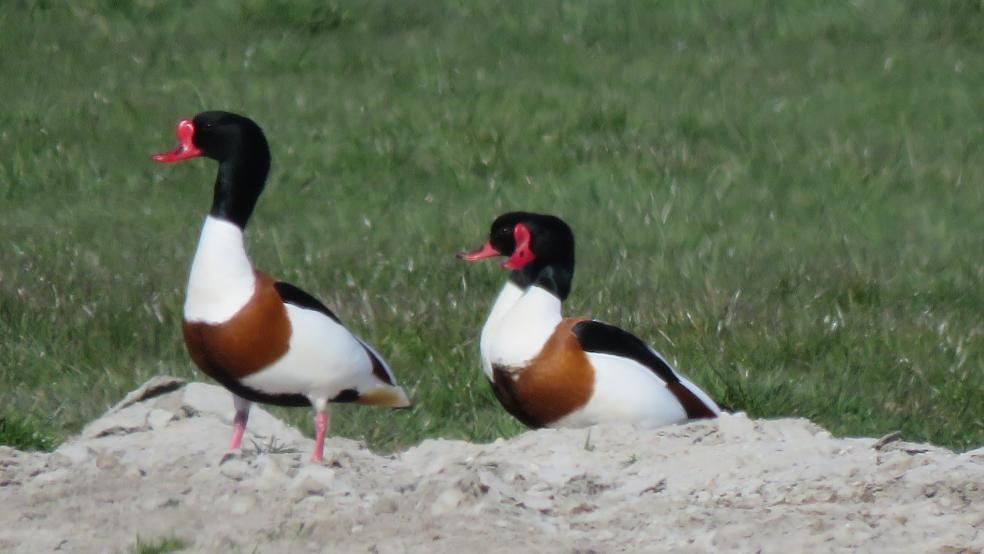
[238,428]
[320,428]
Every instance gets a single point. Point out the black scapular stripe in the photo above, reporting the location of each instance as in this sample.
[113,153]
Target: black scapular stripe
[293,295]
[603,338]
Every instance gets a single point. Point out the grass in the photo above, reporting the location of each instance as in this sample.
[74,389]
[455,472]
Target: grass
[162,545]
[784,198]
[18,433]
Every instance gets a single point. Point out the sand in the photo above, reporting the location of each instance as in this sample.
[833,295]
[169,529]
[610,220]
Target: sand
[156,465]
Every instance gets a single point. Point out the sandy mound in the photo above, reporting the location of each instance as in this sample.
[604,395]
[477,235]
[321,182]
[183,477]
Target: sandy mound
[156,466]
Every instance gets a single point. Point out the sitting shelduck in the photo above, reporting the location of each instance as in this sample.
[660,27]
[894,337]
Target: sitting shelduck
[552,371]
[264,340]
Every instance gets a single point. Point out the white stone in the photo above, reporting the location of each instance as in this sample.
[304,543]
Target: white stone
[447,501]
[50,477]
[320,473]
[75,452]
[235,469]
[158,418]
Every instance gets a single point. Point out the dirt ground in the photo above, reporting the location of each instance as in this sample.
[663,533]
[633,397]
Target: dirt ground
[156,465]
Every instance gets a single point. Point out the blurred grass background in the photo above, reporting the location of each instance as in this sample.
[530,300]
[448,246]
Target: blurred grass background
[784,198]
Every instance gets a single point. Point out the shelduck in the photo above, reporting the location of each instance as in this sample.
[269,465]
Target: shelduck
[551,371]
[263,339]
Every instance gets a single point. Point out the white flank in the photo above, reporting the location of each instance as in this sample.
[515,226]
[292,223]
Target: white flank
[221,280]
[626,391]
[518,327]
[322,360]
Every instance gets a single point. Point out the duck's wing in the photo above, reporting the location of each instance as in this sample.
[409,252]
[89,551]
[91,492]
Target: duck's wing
[292,294]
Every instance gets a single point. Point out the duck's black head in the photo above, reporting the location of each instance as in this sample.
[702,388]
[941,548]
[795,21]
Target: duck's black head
[241,149]
[539,249]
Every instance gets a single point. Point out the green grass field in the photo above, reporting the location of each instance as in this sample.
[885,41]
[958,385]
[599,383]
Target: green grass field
[784,198]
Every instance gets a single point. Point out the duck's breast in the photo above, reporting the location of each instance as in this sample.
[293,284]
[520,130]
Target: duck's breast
[255,337]
[521,333]
[557,381]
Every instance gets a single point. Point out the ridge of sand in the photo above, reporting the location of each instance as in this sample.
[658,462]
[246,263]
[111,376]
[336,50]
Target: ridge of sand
[156,465]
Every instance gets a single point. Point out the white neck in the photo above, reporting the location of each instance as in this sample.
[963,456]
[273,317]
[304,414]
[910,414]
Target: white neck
[519,325]
[222,279]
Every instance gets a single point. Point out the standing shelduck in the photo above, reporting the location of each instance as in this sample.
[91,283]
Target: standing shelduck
[264,340]
[551,371]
